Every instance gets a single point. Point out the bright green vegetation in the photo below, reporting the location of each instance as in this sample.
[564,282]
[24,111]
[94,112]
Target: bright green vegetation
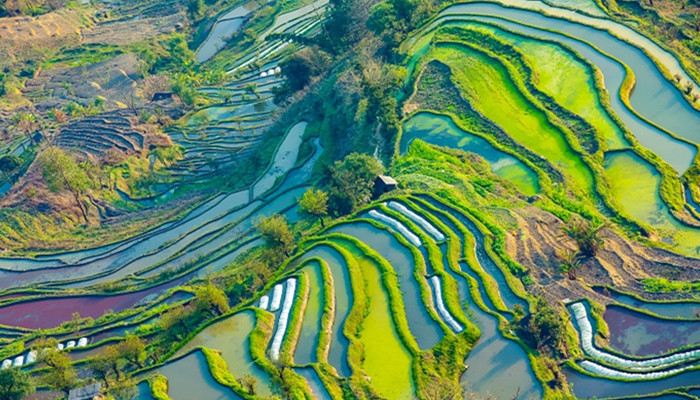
[380,337]
[635,185]
[667,286]
[521,186]
[568,80]
[441,130]
[479,77]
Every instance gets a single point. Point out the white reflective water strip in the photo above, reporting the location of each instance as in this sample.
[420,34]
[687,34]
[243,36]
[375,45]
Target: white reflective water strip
[425,224]
[283,319]
[413,239]
[264,302]
[444,313]
[276,297]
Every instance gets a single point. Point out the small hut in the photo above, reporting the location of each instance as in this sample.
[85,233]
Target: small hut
[384,184]
[91,392]
[162,96]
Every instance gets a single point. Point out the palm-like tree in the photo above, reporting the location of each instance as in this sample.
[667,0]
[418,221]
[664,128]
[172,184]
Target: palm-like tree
[585,234]
[570,262]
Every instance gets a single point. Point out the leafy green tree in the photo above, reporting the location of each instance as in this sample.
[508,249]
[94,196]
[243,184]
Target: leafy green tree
[59,116]
[61,375]
[133,350]
[8,164]
[211,300]
[15,384]
[61,172]
[586,235]
[175,322]
[546,327]
[352,181]
[106,364]
[314,203]
[276,233]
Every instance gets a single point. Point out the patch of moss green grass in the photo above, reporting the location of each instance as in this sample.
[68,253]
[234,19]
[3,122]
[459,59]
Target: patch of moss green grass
[488,84]
[159,387]
[662,285]
[220,371]
[562,76]
[328,312]
[387,360]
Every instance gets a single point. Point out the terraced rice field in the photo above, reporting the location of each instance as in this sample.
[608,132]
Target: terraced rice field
[476,75]
[426,287]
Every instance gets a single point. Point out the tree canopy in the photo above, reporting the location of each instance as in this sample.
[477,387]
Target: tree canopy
[61,172]
[352,180]
[15,384]
[9,164]
[276,233]
[314,203]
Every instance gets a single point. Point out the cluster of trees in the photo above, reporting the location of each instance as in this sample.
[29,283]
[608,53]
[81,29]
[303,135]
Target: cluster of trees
[209,302]
[15,384]
[391,20]
[350,185]
[299,69]
[8,165]
[111,365]
[63,172]
[543,329]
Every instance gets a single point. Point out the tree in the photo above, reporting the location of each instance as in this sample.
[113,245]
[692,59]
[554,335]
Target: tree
[15,384]
[585,235]
[276,233]
[569,263]
[61,374]
[210,299]
[133,350]
[352,181]
[545,326]
[175,322]
[105,364]
[314,203]
[61,172]
[8,164]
